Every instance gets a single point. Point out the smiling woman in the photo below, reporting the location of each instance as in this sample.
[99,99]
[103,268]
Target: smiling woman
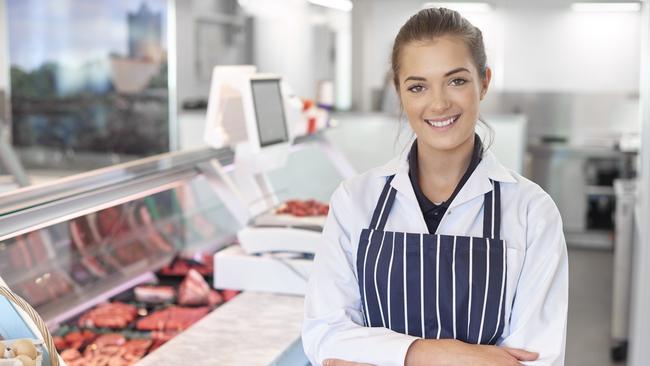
[424,256]
[440,89]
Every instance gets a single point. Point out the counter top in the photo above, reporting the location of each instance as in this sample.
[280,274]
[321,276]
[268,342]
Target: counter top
[574,150]
[251,329]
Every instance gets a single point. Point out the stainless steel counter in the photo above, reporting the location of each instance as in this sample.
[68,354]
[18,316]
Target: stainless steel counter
[578,178]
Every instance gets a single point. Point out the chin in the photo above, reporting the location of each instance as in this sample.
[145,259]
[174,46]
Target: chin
[446,143]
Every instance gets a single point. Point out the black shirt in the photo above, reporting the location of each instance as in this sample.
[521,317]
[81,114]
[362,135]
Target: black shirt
[433,213]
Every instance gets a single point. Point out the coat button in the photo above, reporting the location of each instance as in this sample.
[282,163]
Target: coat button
[448,212]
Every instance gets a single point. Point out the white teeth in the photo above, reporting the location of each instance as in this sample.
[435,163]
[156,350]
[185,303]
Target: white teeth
[444,123]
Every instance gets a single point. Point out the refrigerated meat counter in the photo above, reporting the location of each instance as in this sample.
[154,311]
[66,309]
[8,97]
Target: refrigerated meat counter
[121,256]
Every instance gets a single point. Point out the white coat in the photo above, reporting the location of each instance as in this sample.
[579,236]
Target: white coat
[537,265]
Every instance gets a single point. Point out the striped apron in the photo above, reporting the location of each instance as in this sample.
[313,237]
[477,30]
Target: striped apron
[434,286]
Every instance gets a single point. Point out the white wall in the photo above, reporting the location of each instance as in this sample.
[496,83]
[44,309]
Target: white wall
[342,23]
[536,49]
[561,50]
[189,85]
[4,48]
[282,44]
[4,62]
[282,41]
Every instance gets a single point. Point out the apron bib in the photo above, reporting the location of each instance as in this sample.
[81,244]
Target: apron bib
[434,286]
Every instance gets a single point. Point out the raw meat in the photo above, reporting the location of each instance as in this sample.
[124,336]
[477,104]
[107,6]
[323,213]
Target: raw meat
[81,240]
[229,294]
[70,356]
[115,315]
[215,298]
[59,343]
[152,234]
[108,350]
[194,290]
[37,246]
[154,294]
[110,339]
[172,318]
[75,340]
[180,267]
[161,337]
[303,208]
[43,289]
[113,226]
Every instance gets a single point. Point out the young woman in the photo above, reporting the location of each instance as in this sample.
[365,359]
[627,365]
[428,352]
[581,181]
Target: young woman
[442,256]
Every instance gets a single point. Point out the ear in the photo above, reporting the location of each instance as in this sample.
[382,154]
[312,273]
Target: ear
[485,83]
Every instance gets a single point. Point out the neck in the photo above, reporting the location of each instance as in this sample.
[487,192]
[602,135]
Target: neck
[441,170]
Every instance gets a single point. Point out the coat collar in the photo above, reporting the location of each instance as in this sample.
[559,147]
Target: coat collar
[477,185]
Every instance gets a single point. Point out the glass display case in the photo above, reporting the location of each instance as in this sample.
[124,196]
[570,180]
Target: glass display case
[68,246]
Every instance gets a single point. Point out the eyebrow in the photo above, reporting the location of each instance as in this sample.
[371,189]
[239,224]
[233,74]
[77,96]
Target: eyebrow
[420,78]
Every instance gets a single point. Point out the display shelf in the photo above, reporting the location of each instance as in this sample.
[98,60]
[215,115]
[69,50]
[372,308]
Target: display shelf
[592,239]
[35,196]
[599,190]
[103,232]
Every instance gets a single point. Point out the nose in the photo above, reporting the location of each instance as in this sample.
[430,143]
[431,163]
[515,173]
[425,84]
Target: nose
[439,102]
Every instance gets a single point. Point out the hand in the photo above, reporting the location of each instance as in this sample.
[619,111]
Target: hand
[520,354]
[452,352]
[335,362]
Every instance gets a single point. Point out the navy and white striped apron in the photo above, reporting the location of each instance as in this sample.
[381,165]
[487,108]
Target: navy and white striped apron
[434,286]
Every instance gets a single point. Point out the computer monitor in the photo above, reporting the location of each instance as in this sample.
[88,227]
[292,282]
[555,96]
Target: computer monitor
[253,114]
[270,115]
[247,110]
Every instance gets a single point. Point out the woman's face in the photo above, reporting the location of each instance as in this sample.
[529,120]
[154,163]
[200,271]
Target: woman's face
[440,89]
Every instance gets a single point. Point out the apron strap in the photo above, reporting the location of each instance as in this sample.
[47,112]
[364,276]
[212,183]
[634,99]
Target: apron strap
[492,212]
[384,204]
[491,209]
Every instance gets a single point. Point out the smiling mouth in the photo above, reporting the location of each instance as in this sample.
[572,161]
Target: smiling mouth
[442,122]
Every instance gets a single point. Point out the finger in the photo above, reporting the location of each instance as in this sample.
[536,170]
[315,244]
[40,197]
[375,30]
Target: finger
[522,355]
[337,362]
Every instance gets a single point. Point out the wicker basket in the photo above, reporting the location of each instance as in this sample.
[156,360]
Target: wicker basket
[38,321]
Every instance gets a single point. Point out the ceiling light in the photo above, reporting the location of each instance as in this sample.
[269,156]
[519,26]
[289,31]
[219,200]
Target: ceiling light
[461,7]
[606,7]
[345,5]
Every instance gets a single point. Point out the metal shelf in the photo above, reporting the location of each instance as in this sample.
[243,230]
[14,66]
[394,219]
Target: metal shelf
[67,187]
[591,239]
[599,190]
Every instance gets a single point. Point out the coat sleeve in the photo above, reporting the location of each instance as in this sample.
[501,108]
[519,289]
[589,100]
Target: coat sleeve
[333,323]
[539,311]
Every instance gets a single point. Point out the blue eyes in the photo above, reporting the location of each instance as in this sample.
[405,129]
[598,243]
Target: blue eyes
[418,88]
